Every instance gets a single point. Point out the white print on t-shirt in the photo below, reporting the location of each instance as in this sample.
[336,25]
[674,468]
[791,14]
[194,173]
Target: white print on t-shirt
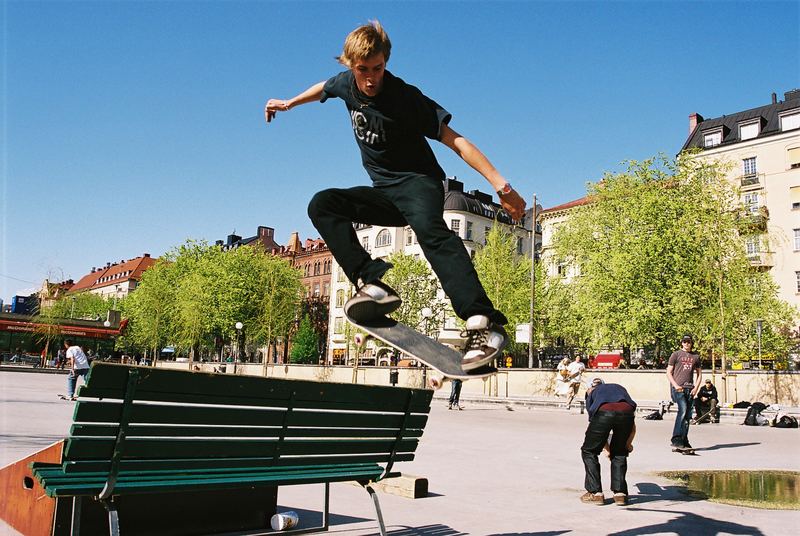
[367,130]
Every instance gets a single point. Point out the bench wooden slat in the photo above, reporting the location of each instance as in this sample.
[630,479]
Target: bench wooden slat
[222,482]
[77,466]
[143,430]
[92,448]
[155,384]
[110,411]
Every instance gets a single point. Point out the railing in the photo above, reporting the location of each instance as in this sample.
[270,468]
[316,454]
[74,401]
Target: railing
[751,180]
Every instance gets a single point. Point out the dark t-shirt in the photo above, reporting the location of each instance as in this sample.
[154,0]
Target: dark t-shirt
[683,366]
[391,128]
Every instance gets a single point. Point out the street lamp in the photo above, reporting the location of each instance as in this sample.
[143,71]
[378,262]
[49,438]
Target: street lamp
[236,358]
[427,313]
[759,326]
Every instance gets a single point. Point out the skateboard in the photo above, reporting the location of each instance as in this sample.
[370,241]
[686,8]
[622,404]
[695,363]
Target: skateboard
[704,415]
[422,348]
[685,451]
[64,397]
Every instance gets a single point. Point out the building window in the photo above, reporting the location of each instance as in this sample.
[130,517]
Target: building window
[468,235]
[794,197]
[748,131]
[561,269]
[753,245]
[749,166]
[340,298]
[797,239]
[793,155]
[326,289]
[365,243]
[519,246]
[797,277]
[486,232]
[455,226]
[409,236]
[711,139]
[383,239]
[790,121]
[751,202]
[338,325]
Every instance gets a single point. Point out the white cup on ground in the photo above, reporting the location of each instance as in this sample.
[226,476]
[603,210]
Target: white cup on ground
[284,520]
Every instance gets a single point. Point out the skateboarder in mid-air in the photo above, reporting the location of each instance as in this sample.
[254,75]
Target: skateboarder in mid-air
[391,120]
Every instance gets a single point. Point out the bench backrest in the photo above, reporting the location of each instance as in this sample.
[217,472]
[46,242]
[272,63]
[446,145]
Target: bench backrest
[142,418]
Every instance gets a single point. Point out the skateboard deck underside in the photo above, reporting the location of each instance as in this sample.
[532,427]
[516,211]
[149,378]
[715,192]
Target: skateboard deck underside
[434,354]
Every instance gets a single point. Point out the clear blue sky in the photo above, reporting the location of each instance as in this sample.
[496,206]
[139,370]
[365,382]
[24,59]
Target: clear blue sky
[131,126]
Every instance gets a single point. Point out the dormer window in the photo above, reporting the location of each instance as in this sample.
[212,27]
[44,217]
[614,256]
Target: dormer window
[713,138]
[749,130]
[790,120]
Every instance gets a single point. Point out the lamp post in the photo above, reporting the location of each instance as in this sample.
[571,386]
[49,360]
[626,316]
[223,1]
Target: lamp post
[759,326]
[533,282]
[236,358]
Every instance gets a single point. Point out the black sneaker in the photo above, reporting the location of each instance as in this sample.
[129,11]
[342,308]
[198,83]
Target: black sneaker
[372,301]
[485,341]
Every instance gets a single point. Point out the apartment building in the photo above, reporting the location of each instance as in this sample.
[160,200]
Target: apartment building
[762,147]
[470,215]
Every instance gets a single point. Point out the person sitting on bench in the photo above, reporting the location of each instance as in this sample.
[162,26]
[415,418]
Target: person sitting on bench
[706,404]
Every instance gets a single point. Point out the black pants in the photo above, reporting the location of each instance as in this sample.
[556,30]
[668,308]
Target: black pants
[415,202]
[619,425]
[455,392]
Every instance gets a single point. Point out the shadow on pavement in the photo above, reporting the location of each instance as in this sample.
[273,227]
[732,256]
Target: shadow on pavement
[728,446]
[547,533]
[686,524]
[649,492]
[426,530]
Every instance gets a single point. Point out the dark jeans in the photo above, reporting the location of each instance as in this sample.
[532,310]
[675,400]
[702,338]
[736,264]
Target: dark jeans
[619,425]
[72,380]
[455,392]
[415,202]
[684,400]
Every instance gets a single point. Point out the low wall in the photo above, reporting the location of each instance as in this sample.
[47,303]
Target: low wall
[770,387]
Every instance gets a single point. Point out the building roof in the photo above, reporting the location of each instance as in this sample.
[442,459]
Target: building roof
[474,202]
[566,206]
[114,273]
[264,236]
[769,116]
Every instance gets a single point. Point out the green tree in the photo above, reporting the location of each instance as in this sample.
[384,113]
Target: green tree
[304,344]
[658,251]
[419,288]
[506,277]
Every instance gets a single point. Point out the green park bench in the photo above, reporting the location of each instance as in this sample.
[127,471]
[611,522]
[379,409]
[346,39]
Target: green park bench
[174,452]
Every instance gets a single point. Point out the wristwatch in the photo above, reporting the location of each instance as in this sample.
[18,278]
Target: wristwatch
[505,190]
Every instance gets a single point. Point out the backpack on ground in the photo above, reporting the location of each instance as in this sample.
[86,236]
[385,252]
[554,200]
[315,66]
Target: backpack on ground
[754,417]
[741,405]
[654,416]
[785,421]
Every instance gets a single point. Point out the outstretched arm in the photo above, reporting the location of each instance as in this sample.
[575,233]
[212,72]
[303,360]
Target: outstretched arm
[312,94]
[469,153]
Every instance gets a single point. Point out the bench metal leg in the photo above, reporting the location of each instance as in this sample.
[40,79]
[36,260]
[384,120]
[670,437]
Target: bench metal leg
[113,518]
[377,507]
[326,509]
[76,516]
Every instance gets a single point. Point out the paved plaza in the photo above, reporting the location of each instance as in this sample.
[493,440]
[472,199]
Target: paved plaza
[494,471]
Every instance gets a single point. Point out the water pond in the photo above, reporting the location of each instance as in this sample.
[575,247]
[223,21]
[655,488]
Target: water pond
[756,489]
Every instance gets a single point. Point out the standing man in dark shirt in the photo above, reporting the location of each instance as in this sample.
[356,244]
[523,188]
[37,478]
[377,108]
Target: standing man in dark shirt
[611,412]
[684,374]
[391,121]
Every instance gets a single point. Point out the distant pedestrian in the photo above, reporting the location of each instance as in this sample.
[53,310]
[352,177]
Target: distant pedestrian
[611,413]
[575,373]
[684,374]
[455,394]
[78,365]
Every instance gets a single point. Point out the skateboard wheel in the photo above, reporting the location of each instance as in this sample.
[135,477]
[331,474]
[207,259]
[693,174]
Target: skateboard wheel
[435,383]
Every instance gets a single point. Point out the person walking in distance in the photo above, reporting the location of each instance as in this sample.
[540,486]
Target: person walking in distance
[684,374]
[391,120]
[78,365]
[574,376]
[455,394]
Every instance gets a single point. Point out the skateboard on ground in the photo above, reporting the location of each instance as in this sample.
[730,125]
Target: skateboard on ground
[685,451]
[64,397]
[436,355]
[708,414]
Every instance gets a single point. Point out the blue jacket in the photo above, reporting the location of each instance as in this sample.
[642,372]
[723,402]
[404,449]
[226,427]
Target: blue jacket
[605,393]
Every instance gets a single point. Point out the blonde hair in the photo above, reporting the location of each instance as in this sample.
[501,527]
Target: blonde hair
[364,42]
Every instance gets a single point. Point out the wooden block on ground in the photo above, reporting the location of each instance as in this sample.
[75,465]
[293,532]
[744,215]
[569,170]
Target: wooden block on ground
[408,486]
